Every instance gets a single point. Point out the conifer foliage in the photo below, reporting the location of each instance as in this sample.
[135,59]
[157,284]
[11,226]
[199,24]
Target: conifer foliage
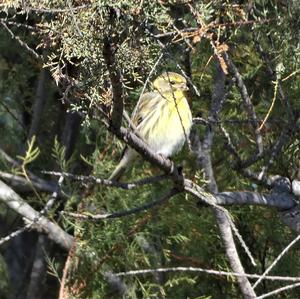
[218,220]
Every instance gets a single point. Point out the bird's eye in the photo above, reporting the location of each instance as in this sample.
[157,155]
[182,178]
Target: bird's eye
[172,82]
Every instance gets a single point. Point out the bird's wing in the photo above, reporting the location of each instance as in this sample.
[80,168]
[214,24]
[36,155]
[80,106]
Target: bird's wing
[147,104]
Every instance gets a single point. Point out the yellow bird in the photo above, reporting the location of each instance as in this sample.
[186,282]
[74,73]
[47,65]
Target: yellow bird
[162,118]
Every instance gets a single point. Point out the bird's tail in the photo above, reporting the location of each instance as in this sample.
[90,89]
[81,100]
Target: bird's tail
[118,172]
[126,161]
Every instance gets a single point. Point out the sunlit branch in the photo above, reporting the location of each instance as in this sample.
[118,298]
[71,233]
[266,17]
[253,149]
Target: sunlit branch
[16,203]
[207,271]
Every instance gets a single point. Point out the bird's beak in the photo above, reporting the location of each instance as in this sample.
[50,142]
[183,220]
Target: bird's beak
[184,87]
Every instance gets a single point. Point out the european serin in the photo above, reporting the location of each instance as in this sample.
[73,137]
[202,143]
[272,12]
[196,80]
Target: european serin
[162,118]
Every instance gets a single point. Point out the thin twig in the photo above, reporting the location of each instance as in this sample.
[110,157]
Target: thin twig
[272,105]
[202,270]
[229,144]
[276,261]
[63,291]
[241,240]
[108,183]
[15,233]
[74,18]
[120,214]
[148,79]
[12,115]
[290,75]
[277,291]
[55,10]
[22,44]
[211,200]
[273,75]
[164,48]
[247,102]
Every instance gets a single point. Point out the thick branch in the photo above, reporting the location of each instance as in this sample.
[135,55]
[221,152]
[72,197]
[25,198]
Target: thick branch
[296,187]
[204,150]
[15,202]
[20,184]
[283,201]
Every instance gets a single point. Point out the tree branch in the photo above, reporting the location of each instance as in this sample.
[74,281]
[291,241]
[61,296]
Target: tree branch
[202,270]
[120,214]
[284,201]
[247,102]
[146,152]
[108,183]
[20,42]
[203,152]
[277,291]
[16,203]
[109,50]
[20,184]
[268,64]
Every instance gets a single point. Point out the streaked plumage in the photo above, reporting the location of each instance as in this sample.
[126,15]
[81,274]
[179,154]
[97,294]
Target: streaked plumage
[163,119]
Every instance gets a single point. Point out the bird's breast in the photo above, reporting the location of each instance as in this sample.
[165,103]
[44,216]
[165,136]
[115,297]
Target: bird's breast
[168,125]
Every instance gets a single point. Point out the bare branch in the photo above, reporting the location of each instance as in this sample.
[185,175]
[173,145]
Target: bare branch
[136,210]
[109,183]
[202,270]
[21,43]
[24,186]
[277,291]
[14,234]
[204,159]
[247,102]
[268,64]
[276,261]
[146,152]
[15,202]
[283,201]
[296,187]
[54,10]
